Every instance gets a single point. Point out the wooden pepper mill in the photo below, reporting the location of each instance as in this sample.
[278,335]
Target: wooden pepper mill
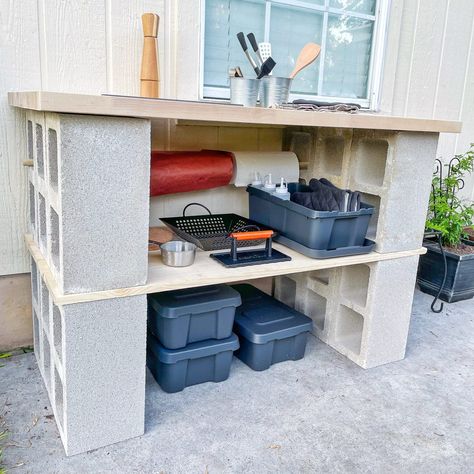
[150,75]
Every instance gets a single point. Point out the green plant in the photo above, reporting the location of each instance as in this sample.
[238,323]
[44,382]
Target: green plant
[447,213]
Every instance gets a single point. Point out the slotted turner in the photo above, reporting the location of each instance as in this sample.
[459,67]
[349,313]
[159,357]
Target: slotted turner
[265,50]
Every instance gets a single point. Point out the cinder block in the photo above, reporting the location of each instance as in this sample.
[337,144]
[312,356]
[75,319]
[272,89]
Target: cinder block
[92,179]
[369,322]
[391,169]
[310,293]
[362,311]
[93,364]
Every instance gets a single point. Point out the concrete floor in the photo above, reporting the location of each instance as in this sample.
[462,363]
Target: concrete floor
[321,414]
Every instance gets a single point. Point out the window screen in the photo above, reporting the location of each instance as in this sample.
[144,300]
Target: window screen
[344,29]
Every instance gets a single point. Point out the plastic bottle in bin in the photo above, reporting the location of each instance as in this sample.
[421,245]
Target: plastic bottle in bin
[257,181]
[268,185]
[282,191]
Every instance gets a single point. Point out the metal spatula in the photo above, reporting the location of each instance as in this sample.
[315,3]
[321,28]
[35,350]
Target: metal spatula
[265,50]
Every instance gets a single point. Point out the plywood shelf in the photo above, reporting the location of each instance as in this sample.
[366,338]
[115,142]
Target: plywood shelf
[205,271]
[125,106]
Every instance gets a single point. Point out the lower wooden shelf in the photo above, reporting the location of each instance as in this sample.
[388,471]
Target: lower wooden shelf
[204,271]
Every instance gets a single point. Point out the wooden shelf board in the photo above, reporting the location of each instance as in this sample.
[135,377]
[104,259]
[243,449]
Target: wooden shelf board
[127,106]
[205,271]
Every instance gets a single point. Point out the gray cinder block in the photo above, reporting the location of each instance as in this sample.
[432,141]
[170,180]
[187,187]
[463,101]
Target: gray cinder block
[362,311]
[92,177]
[93,363]
[103,186]
[388,311]
[389,168]
[406,189]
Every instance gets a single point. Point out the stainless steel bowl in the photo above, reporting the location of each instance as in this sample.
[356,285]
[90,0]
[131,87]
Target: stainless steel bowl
[176,253]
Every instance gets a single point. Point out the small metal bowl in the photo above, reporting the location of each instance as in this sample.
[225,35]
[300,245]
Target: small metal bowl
[176,253]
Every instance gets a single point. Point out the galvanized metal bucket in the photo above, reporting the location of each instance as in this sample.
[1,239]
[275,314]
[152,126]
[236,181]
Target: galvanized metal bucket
[275,90]
[244,91]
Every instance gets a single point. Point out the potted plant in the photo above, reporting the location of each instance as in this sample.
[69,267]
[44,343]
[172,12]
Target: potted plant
[447,269]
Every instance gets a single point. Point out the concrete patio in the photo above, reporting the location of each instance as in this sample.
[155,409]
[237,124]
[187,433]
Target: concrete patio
[321,414]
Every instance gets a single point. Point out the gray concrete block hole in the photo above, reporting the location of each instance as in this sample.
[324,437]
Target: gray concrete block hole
[42,222]
[32,206]
[39,149]
[316,309]
[53,158]
[57,331]
[349,329]
[375,201]
[332,155]
[369,160]
[54,238]
[355,283]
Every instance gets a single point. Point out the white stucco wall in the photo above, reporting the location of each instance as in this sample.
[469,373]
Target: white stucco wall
[95,45]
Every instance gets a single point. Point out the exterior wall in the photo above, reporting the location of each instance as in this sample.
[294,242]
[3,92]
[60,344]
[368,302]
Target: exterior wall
[429,68]
[428,71]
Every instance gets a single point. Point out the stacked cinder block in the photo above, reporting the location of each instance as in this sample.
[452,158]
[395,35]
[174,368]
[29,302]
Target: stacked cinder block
[363,311]
[89,201]
[388,167]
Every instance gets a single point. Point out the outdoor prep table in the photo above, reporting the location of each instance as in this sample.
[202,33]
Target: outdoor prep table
[89,292]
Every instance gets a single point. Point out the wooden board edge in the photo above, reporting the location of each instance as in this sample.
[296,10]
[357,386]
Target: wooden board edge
[60,298]
[124,106]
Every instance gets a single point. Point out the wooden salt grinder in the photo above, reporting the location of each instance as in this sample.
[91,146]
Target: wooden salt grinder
[150,75]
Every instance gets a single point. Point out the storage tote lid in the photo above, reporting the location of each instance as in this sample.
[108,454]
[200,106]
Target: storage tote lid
[262,319]
[194,350]
[171,304]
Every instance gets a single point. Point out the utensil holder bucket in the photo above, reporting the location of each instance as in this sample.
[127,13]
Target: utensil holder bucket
[244,91]
[275,90]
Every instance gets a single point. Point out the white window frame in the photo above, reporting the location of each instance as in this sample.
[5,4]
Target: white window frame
[380,18]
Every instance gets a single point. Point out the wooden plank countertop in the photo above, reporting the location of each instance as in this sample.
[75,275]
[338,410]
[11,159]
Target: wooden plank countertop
[127,106]
[205,271]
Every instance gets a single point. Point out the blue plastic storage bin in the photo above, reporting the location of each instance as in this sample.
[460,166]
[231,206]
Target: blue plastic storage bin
[269,331]
[182,317]
[316,234]
[205,361]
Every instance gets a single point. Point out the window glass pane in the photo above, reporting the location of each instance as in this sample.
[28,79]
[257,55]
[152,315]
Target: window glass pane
[347,59]
[224,19]
[290,29]
[315,2]
[360,6]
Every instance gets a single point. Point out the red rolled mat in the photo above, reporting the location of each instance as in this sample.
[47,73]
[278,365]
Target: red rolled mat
[182,171]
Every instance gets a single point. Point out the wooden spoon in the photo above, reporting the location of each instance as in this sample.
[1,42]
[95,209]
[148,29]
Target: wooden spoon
[307,55]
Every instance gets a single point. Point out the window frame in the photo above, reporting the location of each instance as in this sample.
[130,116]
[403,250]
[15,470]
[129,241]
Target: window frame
[380,18]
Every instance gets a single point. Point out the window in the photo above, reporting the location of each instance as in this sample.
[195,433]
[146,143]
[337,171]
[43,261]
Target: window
[350,32]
